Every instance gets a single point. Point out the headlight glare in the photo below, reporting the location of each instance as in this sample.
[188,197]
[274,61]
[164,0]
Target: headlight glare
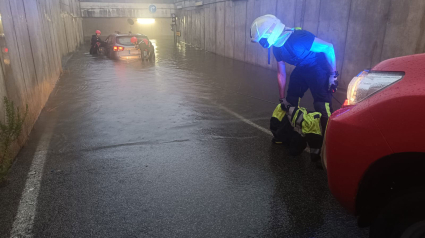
[367,83]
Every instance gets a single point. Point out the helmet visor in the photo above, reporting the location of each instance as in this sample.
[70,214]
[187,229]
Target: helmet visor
[259,34]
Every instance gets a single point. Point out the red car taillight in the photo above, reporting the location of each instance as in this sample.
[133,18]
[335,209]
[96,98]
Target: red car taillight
[118,48]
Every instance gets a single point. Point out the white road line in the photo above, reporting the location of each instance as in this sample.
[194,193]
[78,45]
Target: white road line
[268,132]
[24,220]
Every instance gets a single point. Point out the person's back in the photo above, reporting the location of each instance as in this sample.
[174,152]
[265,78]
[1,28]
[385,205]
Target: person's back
[95,39]
[296,51]
[145,44]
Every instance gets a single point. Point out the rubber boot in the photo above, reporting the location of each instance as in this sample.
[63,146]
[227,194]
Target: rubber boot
[297,144]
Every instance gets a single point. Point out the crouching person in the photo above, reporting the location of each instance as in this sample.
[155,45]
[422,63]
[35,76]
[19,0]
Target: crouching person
[297,128]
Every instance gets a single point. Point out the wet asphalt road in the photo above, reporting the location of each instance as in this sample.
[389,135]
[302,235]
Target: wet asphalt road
[169,149]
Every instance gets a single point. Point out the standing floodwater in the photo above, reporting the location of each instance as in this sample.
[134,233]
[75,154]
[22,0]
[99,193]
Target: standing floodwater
[175,148]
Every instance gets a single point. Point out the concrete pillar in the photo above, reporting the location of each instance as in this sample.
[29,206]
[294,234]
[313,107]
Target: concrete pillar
[286,13]
[39,51]
[25,63]
[188,26]
[229,34]
[250,48]
[212,29]
[365,36]
[300,6]
[202,27]
[207,28]
[220,29]
[52,25]
[266,7]
[333,28]
[196,28]
[311,16]
[405,33]
[240,30]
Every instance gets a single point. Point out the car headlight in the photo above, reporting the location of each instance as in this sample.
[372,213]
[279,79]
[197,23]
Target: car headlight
[368,83]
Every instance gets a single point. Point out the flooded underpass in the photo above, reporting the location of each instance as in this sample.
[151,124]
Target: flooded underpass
[179,147]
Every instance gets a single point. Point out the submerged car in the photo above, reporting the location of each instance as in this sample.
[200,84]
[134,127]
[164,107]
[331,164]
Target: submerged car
[119,46]
[374,150]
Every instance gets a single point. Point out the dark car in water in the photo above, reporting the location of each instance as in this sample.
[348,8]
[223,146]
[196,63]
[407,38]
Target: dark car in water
[119,46]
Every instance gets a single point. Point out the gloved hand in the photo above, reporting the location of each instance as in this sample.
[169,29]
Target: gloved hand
[285,105]
[333,82]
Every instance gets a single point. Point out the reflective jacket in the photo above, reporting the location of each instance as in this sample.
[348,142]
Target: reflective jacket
[302,121]
[283,124]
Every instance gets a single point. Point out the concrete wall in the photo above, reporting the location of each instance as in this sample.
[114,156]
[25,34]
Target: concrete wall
[108,26]
[364,32]
[37,34]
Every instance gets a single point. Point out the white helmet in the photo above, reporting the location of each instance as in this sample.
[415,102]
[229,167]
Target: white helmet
[267,26]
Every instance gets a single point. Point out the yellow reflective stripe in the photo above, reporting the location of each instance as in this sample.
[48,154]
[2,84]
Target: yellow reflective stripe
[311,124]
[328,109]
[279,113]
[294,119]
[305,123]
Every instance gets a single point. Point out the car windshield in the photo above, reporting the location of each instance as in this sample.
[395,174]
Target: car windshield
[126,40]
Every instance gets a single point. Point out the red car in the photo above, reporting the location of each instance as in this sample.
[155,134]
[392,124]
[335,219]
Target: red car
[374,150]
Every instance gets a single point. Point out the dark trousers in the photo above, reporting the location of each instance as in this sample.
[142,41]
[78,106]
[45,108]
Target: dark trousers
[93,49]
[316,78]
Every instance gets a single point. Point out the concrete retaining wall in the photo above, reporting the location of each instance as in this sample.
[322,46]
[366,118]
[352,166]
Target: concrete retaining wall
[364,32]
[37,34]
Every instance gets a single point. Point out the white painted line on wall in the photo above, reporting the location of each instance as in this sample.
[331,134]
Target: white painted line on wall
[24,220]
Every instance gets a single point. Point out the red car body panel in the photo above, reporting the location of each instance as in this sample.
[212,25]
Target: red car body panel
[391,121]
